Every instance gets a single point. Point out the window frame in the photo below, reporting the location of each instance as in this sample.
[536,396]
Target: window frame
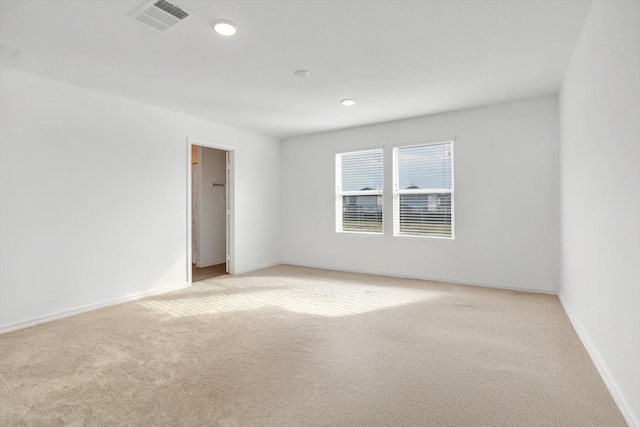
[339,194]
[398,191]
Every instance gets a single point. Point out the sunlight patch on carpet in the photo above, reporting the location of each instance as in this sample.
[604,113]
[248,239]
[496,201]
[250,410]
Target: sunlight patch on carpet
[299,295]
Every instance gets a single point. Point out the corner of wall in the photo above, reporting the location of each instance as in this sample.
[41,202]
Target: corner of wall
[611,383]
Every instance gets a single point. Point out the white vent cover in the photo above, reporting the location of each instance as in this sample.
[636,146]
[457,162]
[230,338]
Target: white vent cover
[160,14]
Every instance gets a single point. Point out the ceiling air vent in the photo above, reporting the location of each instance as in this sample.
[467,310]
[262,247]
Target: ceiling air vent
[160,15]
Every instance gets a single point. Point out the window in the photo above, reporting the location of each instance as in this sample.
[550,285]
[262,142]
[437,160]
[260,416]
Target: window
[359,191]
[423,190]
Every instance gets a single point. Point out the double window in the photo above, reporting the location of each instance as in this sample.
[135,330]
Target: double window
[422,190]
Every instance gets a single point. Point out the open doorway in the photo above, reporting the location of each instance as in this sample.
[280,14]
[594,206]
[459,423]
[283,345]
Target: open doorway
[209,240]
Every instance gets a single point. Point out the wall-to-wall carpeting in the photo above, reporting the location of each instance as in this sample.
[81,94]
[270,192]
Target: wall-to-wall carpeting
[293,346]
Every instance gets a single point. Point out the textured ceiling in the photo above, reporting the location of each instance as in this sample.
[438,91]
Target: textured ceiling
[397,59]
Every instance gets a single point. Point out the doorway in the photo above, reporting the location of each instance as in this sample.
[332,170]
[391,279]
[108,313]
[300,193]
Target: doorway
[209,210]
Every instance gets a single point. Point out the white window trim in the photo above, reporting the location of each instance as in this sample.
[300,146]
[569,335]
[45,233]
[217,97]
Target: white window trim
[398,191]
[340,193]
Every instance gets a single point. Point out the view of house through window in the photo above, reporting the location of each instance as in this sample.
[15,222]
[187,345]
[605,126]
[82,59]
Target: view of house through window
[423,190]
[359,180]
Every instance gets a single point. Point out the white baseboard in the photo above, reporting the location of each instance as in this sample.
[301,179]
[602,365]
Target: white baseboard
[625,408]
[67,313]
[427,279]
[258,267]
[210,263]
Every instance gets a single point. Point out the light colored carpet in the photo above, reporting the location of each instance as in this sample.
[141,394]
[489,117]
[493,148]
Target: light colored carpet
[291,346]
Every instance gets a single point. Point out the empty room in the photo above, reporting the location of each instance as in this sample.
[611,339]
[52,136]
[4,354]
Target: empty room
[320,213]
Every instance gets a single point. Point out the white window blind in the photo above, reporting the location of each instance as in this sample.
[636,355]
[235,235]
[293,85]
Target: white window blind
[423,190]
[359,191]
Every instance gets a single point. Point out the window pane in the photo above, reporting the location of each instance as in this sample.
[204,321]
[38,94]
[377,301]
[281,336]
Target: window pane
[362,213]
[425,166]
[362,170]
[425,214]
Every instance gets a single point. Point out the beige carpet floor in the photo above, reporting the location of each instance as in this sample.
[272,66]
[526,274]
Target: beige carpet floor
[291,346]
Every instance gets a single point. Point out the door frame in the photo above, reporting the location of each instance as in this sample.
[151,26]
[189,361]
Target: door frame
[230,193]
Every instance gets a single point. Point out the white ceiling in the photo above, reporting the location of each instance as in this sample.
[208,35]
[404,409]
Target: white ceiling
[398,59]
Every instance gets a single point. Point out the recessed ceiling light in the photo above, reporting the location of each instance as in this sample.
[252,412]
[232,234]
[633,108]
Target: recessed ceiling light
[348,102]
[224,27]
[301,73]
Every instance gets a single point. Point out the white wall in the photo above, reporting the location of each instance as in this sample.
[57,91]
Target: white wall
[93,204]
[506,200]
[212,223]
[600,191]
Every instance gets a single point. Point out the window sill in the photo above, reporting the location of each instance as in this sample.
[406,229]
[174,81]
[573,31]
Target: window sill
[365,233]
[418,236]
